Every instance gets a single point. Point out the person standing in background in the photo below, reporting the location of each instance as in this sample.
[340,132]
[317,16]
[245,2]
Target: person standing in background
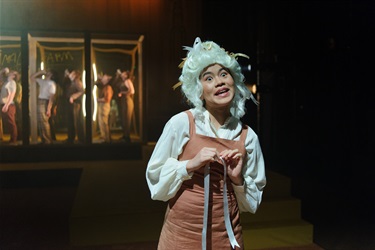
[18,102]
[8,108]
[105,94]
[47,91]
[125,93]
[74,95]
[3,78]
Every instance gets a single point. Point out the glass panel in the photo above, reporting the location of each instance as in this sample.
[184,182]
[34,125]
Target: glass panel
[11,89]
[56,87]
[63,56]
[116,69]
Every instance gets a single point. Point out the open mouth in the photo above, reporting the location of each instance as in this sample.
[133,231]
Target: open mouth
[222,91]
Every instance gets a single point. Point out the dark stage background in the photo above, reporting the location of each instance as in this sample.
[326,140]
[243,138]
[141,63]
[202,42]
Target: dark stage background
[316,119]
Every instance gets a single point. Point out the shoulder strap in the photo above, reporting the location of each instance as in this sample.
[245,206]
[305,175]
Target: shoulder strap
[191,122]
[244,133]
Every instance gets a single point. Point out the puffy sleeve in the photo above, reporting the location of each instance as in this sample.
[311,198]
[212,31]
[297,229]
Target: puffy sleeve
[249,196]
[165,173]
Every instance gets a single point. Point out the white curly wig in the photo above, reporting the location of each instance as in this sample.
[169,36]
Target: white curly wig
[203,55]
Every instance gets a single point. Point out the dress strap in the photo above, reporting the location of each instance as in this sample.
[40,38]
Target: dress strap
[243,135]
[191,122]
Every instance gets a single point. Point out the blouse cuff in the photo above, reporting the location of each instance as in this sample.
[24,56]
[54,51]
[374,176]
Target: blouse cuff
[239,189]
[182,173]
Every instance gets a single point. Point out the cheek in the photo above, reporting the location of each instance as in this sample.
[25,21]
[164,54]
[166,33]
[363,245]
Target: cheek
[231,81]
[232,86]
[206,91]
[203,96]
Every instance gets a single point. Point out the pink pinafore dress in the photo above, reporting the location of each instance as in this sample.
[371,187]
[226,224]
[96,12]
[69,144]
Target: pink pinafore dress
[182,228]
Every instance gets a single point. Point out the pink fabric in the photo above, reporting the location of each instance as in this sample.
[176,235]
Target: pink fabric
[183,223]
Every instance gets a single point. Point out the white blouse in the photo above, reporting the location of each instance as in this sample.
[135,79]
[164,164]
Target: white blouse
[165,173]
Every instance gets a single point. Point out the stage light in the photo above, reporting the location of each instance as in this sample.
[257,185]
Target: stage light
[246,68]
[252,87]
[42,68]
[84,96]
[94,91]
[95,72]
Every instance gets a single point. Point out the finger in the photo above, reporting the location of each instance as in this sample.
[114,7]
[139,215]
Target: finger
[207,151]
[209,158]
[210,149]
[232,152]
[224,153]
[237,156]
[212,152]
[217,155]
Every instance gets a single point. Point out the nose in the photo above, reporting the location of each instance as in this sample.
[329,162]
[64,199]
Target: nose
[219,82]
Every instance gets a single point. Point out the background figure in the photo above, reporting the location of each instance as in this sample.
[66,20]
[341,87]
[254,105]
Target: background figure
[47,91]
[125,93]
[8,108]
[58,106]
[1,125]
[2,80]
[104,106]
[52,120]
[74,94]
[206,155]
[18,102]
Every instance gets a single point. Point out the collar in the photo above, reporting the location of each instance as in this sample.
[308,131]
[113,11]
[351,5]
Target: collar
[227,124]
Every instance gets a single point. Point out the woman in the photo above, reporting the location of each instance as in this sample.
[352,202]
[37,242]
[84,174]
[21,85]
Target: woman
[207,164]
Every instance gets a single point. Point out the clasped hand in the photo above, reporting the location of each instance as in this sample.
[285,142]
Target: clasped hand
[232,157]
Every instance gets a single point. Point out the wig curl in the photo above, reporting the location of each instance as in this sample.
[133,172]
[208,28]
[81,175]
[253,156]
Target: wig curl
[203,55]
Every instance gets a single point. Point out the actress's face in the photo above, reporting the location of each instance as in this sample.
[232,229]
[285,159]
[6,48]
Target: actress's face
[218,86]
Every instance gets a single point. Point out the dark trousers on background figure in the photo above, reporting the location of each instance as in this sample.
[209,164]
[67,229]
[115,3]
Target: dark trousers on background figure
[127,109]
[75,122]
[9,120]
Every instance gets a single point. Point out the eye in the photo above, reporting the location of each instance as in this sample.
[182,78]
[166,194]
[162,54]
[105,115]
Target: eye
[224,74]
[208,78]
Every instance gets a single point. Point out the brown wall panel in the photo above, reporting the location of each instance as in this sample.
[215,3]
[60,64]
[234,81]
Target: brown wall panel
[114,15]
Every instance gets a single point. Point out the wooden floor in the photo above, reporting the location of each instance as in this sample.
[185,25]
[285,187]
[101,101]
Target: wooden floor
[37,217]
[35,212]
